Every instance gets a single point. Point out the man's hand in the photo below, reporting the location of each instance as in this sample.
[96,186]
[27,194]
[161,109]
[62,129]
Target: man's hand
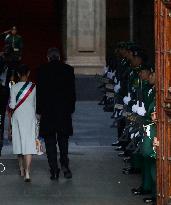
[155,143]
[6,32]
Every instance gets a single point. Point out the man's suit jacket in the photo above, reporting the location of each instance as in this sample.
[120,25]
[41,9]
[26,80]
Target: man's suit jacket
[56,98]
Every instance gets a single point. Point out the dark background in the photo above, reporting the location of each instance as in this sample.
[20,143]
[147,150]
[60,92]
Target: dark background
[39,23]
[42,24]
[118,24]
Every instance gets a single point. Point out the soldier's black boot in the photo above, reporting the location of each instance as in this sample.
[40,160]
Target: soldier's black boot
[140,191]
[149,200]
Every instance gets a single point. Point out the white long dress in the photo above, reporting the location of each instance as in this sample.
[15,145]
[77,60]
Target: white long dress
[23,122]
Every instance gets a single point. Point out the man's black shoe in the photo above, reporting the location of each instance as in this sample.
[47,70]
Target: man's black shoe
[136,189]
[127,159]
[130,171]
[149,200]
[67,172]
[120,148]
[121,154]
[117,143]
[108,108]
[140,191]
[101,103]
[54,174]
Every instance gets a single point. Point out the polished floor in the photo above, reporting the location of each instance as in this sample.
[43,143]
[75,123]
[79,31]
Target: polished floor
[97,177]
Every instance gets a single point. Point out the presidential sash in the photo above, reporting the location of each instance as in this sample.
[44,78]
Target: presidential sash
[23,94]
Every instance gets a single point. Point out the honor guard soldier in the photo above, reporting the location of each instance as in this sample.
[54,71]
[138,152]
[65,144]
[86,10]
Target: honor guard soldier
[148,154]
[15,43]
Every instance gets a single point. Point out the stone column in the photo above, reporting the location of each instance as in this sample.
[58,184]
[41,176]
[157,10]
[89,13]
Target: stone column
[86,32]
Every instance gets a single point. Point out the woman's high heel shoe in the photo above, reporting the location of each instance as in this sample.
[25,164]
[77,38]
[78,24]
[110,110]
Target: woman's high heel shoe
[27,178]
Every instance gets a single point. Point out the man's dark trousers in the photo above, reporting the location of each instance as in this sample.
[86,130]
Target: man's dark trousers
[51,142]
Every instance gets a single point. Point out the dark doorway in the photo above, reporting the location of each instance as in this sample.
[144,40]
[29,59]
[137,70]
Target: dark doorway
[39,23]
[144,26]
[118,25]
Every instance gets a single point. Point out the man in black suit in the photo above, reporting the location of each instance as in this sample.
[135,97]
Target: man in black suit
[55,105]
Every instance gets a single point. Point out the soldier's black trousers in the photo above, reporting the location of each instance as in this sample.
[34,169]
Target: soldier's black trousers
[51,142]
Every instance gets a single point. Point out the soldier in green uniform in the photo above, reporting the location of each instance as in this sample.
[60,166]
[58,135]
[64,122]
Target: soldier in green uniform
[122,73]
[14,42]
[142,87]
[136,59]
[147,153]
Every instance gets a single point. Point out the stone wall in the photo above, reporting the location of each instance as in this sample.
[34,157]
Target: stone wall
[86,29]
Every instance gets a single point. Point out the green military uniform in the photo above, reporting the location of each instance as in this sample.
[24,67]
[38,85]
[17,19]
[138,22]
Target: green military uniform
[14,44]
[133,84]
[148,154]
[147,96]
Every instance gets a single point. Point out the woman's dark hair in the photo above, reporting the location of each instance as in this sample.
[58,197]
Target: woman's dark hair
[23,70]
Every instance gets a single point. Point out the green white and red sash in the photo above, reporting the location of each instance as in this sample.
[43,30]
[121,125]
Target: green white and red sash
[23,94]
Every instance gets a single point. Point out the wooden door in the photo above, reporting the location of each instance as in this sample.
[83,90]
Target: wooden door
[163,85]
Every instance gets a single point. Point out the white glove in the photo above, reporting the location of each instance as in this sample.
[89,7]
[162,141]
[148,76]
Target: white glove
[135,107]
[117,87]
[127,99]
[105,69]
[110,75]
[115,80]
[141,110]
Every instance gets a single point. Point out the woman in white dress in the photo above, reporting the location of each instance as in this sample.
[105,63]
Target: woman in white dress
[23,105]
